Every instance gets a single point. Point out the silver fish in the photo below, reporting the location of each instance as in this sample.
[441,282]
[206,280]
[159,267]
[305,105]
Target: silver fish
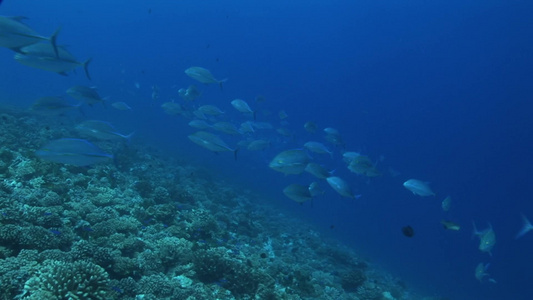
[121,106]
[76,152]
[43,56]
[487,238]
[258,145]
[14,34]
[290,161]
[86,94]
[317,147]
[52,106]
[199,124]
[297,192]
[243,107]
[317,170]
[210,110]
[203,75]
[340,186]
[211,142]
[226,127]
[418,187]
[101,130]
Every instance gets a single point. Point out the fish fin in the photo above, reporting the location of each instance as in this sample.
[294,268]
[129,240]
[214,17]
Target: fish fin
[86,67]
[220,82]
[53,41]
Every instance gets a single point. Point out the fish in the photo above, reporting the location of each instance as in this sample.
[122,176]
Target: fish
[52,106]
[210,110]
[43,56]
[226,127]
[349,156]
[418,187]
[362,164]
[290,161]
[258,145]
[408,231]
[199,124]
[317,147]
[14,34]
[284,131]
[172,108]
[121,106]
[310,127]
[487,238]
[450,225]
[333,136]
[446,203]
[526,227]
[297,192]
[211,142]
[101,130]
[315,189]
[86,94]
[340,186]
[190,94]
[246,127]
[203,75]
[77,152]
[282,114]
[481,271]
[243,107]
[317,170]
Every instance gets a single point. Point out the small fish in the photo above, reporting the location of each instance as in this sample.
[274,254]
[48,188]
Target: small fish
[310,127]
[258,145]
[75,152]
[418,187]
[52,106]
[101,130]
[317,170]
[121,106]
[243,107]
[526,227]
[86,94]
[282,115]
[246,127]
[189,94]
[362,165]
[211,142]
[210,110]
[408,231]
[315,189]
[446,203]
[317,147]
[450,225]
[340,186]
[297,192]
[349,156]
[226,127]
[290,161]
[172,108]
[481,272]
[199,124]
[487,238]
[203,75]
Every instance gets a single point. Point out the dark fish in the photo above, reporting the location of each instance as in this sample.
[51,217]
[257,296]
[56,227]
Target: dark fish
[73,152]
[408,231]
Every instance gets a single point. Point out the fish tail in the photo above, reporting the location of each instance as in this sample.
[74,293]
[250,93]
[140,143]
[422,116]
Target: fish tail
[53,41]
[525,228]
[86,67]
[235,153]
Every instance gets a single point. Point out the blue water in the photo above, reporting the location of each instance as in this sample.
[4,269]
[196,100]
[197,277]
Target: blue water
[436,90]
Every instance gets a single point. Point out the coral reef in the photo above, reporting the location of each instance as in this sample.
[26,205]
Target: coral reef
[148,227]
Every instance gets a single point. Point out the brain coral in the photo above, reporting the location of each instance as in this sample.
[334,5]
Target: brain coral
[63,280]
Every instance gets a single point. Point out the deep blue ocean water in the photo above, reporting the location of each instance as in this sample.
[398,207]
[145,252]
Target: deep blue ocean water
[436,90]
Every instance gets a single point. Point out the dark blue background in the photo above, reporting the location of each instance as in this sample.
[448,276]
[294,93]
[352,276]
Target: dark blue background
[442,90]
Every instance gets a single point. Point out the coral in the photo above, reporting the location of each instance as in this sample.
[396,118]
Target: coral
[63,280]
[353,279]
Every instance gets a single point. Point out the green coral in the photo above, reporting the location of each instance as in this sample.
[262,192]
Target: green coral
[61,280]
